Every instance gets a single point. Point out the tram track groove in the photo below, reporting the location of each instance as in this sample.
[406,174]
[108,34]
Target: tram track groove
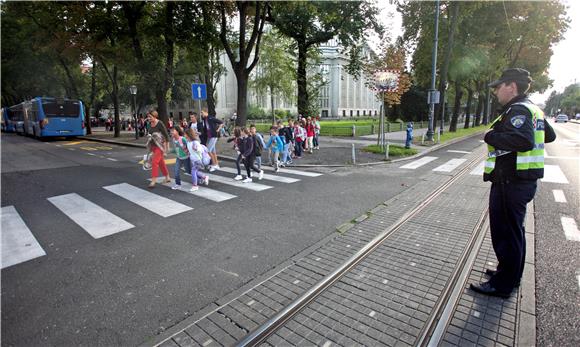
[262,333]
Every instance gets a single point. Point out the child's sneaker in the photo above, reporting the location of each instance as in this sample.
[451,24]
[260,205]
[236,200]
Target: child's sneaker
[261,174]
[282,164]
[194,188]
[247,180]
[212,168]
[176,186]
[206,180]
[276,169]
[238,177]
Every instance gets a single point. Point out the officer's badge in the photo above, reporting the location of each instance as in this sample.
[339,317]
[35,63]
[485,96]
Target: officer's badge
[518,121]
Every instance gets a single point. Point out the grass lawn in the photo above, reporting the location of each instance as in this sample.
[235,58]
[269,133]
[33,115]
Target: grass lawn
[452,135]
[394,150]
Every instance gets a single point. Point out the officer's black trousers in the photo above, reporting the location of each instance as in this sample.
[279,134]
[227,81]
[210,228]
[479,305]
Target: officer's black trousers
[507,212]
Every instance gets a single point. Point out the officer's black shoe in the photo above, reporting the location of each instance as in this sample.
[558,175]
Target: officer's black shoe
[487,289]
[490,272]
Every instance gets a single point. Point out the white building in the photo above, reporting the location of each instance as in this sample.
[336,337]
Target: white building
[341,96]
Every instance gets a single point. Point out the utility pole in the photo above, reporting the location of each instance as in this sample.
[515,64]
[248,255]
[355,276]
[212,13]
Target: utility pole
[433,93]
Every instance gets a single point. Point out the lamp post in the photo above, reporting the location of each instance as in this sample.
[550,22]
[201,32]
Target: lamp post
[133,90]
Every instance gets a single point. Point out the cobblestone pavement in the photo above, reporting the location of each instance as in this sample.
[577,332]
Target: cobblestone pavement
[389,297]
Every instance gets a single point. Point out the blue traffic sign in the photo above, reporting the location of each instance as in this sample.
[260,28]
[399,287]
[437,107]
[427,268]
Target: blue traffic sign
[198,91]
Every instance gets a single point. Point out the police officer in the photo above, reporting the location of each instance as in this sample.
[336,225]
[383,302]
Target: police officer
[515,161]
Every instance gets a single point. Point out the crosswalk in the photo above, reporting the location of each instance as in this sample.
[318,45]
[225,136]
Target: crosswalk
[20,245]
[552,173]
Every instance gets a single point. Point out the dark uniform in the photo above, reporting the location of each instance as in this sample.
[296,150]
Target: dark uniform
[517,138]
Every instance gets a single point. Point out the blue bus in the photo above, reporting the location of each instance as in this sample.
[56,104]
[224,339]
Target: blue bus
[7,124]
[48,117]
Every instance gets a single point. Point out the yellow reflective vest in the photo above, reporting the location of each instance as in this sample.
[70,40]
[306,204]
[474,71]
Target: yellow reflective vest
[530,164]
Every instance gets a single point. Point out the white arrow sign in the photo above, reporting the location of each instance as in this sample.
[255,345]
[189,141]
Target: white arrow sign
[199,92]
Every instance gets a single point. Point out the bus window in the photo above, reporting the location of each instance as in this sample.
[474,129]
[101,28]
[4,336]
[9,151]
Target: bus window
[61,108]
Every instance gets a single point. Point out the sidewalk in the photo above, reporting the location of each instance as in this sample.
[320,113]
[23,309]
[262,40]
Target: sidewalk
[334,151]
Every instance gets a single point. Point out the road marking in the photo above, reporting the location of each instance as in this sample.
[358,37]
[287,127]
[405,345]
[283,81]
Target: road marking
[111,159]
[455,151]
[292,171]
[230,181]
[96,221]
[203,192]
[418,163]
[553,173]
[18,243]
[86,148]
[559,195]
[275,178]
[478,170]
[570,228]
[93,154]
[167,161]
[450,165]
[153,202]
[74,143]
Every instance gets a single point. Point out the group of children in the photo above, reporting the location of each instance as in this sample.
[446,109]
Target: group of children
[286,142]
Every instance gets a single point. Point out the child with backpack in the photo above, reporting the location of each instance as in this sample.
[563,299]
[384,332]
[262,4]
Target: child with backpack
[259,145]
[182,153]
[237,140]
[277,145]
[299,137]
[248,155]
[196,156]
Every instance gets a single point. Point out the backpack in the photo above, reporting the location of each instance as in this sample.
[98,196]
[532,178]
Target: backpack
[184,147]
[205,158]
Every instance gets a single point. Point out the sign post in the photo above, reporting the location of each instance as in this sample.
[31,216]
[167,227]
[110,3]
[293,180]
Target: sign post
[385,81]
[198,92]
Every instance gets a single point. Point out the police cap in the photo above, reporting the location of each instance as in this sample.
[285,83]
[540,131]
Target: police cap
[512,75]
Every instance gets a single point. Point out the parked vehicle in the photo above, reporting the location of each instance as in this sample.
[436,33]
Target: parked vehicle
[561,118]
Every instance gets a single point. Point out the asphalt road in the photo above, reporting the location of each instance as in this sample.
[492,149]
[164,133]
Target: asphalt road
[558,257]
[126,287]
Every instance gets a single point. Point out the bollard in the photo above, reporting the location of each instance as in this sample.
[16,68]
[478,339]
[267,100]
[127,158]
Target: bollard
[387,151]
[353,155]
[439,137]
[353,131]
[423,139]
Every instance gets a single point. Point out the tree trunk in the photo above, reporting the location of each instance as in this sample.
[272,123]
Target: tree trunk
[161,104]
[456,107]
[242,107]
[210,94]
[468,108]
[116,101]
[440,109]
[272,105]
[74,92]
[301,80]
[92,98]
[479,109]
[169,53]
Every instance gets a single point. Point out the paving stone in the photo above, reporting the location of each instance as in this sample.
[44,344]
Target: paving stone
[184,340]
[169,343]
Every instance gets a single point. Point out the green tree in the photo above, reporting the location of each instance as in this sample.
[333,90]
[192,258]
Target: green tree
[276,70]
[311,23]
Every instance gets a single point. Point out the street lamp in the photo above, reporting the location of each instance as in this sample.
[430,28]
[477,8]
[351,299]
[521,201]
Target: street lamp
[133,90]
[433,96]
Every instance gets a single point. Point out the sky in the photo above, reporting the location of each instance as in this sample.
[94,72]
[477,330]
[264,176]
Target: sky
[564,67]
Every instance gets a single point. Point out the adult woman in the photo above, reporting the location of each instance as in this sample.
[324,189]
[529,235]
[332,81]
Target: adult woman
[158,144]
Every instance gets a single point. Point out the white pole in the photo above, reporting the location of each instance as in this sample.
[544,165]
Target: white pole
[353,155]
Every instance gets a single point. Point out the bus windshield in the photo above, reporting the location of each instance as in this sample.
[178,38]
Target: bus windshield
[63,108]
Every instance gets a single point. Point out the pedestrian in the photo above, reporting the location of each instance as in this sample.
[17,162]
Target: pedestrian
[259,145]
[195,149]
[299,137]
[193,122]
[277,145]
[515,162]
[158,144]
[286,137]
[182,155]
[248,155]
[209,133]
[309,135]
[316,123]
[237,140]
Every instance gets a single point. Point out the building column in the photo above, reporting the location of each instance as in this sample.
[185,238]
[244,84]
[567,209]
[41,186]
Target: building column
[335,90]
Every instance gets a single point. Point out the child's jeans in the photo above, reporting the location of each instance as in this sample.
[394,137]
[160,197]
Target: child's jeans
[179,163]
[285,153]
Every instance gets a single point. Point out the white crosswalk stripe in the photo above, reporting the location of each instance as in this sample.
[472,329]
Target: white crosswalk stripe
[418,163]
[18,243]
[559,195]
[450,165]
[153,202]
[570,228]
[275,178]
[456,151]
[292,171]
[94,219]
[230,181]
[553,173]
[203,192]
[478,169]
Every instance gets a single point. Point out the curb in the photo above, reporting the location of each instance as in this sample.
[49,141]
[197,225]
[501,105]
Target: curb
[228,158]
[526,313]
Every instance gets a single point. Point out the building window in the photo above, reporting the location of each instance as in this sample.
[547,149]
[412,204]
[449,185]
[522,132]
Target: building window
[375,112]
[351,113]
[344,113]
[325,113]
[364,112]
[357,113]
